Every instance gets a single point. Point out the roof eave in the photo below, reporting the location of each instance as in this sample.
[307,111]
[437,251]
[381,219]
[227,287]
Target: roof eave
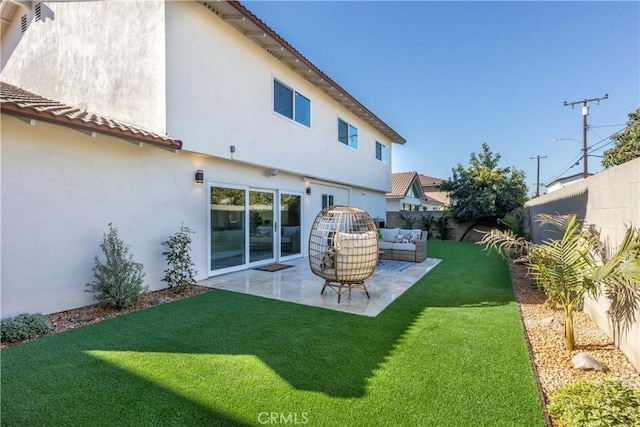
[287,54]
[62,120]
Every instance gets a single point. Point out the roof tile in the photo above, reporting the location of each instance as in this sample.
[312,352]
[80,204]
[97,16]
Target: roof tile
[19,102]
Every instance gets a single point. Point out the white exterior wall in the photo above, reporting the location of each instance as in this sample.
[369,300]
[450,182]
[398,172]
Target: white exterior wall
[220,93]
[106,57]
[61,189]
[205,84]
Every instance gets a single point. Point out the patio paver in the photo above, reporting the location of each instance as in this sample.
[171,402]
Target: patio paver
[299,285]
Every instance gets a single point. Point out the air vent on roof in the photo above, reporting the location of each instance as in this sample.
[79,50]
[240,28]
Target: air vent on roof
[38,11]
[23,23]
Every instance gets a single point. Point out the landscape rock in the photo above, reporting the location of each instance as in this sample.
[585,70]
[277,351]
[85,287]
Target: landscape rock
[549,321]
[585,362]
[84,319]
[158,301]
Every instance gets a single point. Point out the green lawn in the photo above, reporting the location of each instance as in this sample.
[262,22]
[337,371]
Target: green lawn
[449,352]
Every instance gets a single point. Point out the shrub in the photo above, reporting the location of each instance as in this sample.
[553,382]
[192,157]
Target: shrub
[442,225]
[607,403]
[118,281]
[180,274]
[427,223]
[515,221]
[23,326]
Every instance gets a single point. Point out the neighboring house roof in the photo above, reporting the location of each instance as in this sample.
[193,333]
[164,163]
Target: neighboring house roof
[429,180]
[567,179]
[251,26]
[401,182]
[18,102]
[438,197]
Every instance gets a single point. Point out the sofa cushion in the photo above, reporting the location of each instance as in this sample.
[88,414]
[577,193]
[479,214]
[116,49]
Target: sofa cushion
[385,245]
[389,234]
[403,247]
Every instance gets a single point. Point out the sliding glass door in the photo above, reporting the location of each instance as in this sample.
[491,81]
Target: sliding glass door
[228,212]
[262,226]
[252,227]
[291,225]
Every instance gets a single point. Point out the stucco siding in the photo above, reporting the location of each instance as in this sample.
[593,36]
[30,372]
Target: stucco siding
[220,93]
[61,189]
[105,57]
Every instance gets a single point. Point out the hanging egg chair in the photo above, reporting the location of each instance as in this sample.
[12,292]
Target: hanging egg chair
[343,248]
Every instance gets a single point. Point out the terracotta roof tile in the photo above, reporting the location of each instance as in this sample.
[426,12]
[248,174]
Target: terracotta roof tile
[19,102]
[400,183]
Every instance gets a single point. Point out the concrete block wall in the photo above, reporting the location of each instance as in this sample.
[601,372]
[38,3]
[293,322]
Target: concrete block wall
[609,200]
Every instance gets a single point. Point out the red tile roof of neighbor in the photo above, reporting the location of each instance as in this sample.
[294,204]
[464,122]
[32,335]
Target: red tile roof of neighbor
[18,102]
[400,184]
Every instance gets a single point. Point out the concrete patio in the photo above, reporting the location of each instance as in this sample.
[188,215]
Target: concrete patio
[297,284]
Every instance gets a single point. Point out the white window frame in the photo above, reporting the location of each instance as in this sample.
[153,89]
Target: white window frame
[349,126]
[293,102]
[384,153]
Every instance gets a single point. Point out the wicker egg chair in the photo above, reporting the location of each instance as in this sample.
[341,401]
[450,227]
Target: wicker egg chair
[343,248]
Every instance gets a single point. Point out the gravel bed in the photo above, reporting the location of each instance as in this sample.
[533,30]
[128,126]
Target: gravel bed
[544,328]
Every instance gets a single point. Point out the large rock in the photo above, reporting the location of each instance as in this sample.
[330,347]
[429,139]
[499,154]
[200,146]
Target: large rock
[585,362]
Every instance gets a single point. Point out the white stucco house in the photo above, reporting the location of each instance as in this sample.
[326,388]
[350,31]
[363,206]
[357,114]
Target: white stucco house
[406,193]
[153,114]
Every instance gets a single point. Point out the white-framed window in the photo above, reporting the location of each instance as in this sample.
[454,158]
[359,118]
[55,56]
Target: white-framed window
[382,153]
[347,134]
[327,200]
[291,104]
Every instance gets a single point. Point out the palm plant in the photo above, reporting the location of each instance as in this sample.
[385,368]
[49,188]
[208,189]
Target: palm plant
[567,268]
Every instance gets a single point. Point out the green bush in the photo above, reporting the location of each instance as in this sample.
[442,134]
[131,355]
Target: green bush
[180,275]
[587,404]
[118,281]
[23,326]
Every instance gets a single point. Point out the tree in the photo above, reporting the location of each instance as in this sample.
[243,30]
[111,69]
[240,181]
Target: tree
[627,143]
[484,191]
[567,270]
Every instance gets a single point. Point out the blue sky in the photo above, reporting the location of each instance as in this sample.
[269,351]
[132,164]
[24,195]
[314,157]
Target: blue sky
[449,76]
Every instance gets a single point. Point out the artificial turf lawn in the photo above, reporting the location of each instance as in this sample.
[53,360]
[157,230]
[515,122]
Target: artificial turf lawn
[449,352]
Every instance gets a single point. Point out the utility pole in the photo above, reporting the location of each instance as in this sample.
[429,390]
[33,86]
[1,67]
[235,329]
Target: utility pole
[538,157]
[585,113]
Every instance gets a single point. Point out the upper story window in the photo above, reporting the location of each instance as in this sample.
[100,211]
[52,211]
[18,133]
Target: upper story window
[381,153]
[347,134]
[291,104]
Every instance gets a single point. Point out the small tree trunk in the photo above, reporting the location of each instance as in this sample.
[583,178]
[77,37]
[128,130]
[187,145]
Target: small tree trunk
[568,328]
[476,222]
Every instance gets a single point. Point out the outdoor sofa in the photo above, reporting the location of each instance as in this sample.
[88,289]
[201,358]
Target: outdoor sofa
[403,245]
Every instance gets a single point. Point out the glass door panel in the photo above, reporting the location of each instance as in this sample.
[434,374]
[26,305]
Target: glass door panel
[261,225]
[228,242]
[290,223]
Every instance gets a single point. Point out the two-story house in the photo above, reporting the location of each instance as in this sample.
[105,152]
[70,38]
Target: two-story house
[153,114]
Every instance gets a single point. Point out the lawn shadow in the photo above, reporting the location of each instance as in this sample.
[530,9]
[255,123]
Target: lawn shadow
[311,348]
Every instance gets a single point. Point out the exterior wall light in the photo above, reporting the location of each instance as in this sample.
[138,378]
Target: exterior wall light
[308,191]
[199,176]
